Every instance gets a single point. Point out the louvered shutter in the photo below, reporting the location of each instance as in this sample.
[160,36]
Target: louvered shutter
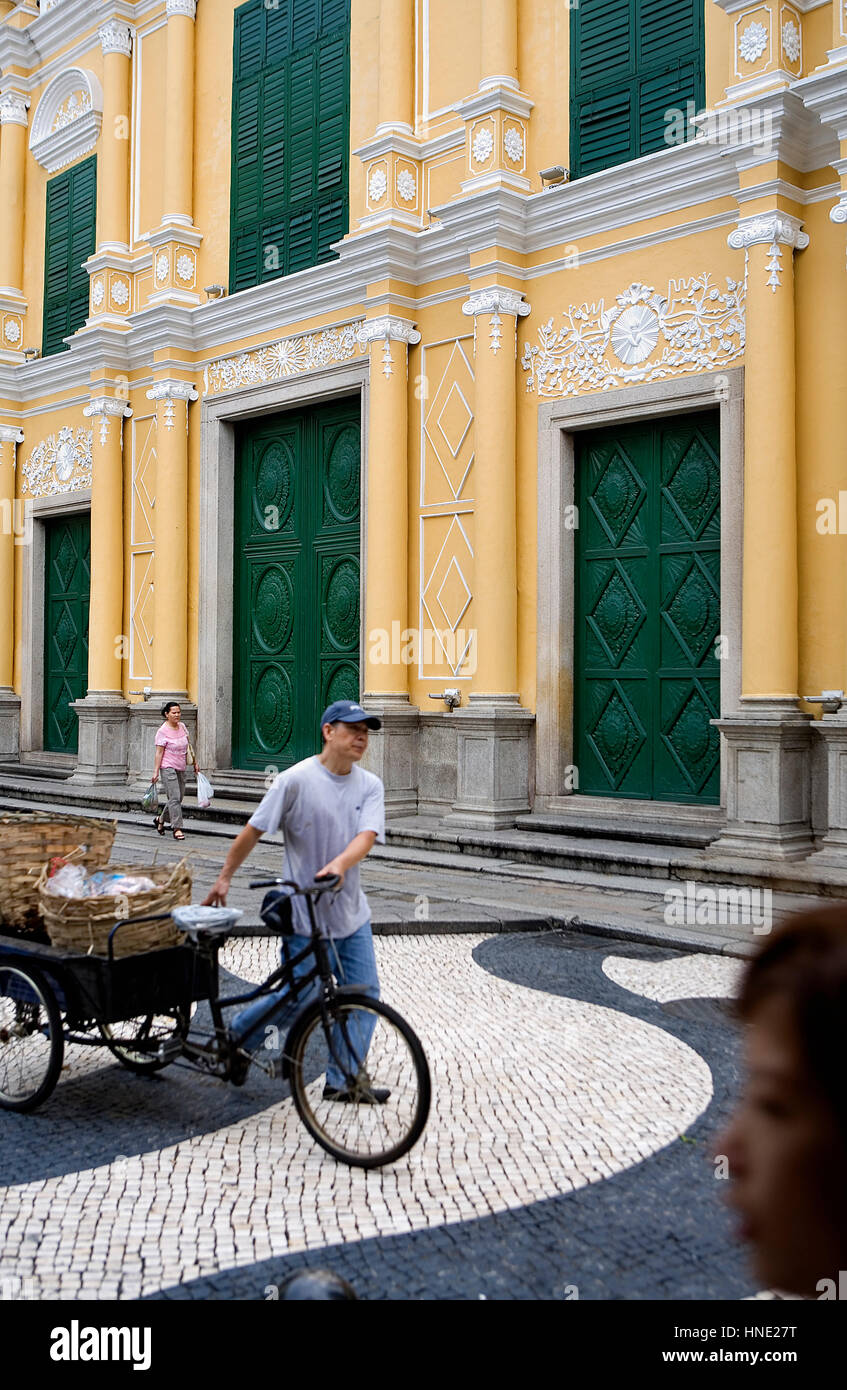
[632,61]
[70,238]
[290,137]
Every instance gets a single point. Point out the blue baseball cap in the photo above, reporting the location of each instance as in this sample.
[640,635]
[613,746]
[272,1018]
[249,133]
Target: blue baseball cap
[346,712]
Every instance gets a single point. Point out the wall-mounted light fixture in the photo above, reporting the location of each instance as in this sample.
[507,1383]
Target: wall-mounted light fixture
[31,354]
[215,291]
[555,175]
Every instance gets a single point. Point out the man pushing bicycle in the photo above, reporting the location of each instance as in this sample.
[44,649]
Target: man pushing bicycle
[331,813]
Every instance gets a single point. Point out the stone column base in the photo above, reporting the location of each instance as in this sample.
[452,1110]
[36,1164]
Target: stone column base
[393,752]
[10,725]
[102,738]
[832,729]
[768,781]
[145,717]
[495,762]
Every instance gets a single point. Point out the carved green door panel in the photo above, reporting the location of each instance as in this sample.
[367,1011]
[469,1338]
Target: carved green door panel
[647,598]
[296,610]
[67,581]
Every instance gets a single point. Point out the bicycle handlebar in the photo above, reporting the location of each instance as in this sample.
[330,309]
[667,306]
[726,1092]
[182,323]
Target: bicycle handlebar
[320,885]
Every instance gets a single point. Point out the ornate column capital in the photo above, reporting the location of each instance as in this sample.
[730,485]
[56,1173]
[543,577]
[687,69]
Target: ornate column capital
[169,391]
[496,301]
[839,212]
[115,37]
[173,390]
[13,108]
[11,434]
[107,405]
[188,8]
[388,330]
[104,408]
[769,229]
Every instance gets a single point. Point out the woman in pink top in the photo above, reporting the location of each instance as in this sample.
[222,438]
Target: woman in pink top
[171,757]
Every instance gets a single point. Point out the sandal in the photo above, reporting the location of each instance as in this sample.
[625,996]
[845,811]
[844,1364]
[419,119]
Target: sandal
[178,835]
[157,824]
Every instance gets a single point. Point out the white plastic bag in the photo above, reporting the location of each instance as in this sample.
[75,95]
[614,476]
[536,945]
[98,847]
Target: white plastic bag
[205,791]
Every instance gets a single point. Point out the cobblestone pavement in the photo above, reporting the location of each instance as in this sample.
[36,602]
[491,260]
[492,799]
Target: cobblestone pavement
[578,1084]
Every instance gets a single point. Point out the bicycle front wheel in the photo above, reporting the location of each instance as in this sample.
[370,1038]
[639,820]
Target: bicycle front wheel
[31,1040]
[360,1080]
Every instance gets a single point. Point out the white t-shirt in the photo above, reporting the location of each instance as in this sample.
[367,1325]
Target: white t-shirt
[319,813]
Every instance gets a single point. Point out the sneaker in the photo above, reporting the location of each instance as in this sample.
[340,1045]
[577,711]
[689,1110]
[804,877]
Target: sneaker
[363,1094]
[239,1066]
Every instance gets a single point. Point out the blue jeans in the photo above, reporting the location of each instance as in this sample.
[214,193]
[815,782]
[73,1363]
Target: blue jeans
[353,962]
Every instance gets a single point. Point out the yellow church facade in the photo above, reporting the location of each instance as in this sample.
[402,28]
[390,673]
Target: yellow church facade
[480,360]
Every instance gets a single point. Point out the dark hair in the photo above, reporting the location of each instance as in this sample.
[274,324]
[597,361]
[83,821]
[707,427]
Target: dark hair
[171,704]
[805,962]
[332,723]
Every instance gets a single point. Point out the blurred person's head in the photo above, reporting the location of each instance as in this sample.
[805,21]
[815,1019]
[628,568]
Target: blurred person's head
[786,1144]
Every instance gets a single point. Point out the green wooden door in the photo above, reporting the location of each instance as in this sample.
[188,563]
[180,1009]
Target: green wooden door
[67,584]
[296,618]
[647,597]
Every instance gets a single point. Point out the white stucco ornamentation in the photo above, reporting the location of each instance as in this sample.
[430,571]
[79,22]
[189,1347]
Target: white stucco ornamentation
[120,292]
[185,267]
[644,336]
[495,301]
[12,331]
[67,119]
[774,230]
[185,7]
[387,331]
[98,294]
[115,37]
[77,104]
[513,144]
[162,267]
[407,186]
[791,41]
[169,391]
[483,145]
[377,185]
[60,463]
[753,41]
[288,357]
[13,107]
[105,408]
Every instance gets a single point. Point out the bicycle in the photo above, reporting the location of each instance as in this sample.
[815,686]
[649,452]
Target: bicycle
[140,1007]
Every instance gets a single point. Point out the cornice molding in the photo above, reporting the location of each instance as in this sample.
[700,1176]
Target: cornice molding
[736,6]
[495,98]
[825,93]
[769,229]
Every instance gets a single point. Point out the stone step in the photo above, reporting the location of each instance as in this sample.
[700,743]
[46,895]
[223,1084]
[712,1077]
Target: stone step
[695,832]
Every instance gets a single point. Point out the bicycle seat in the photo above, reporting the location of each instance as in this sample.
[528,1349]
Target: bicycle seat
[202,923]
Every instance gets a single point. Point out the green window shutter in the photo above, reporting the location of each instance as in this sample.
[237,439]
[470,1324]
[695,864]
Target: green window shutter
[290,137]
[70,238]
[632,61]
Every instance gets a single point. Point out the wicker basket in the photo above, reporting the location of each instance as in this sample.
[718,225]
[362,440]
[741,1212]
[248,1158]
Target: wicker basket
[28,841]
[82,925]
